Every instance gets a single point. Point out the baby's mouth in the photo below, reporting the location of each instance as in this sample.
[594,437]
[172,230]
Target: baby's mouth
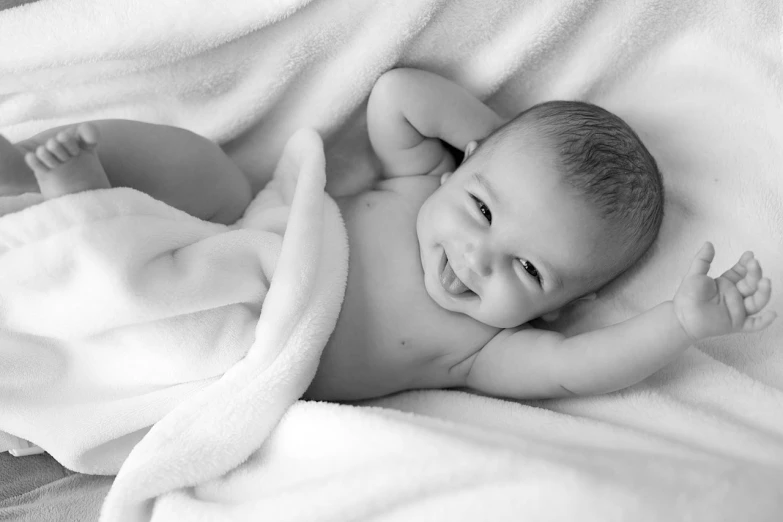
[449,280]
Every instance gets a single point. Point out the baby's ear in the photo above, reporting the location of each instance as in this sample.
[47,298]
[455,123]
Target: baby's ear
[469,150]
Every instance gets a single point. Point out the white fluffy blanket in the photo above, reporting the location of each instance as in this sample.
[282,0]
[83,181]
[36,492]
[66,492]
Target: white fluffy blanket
[118,312]
[701,81]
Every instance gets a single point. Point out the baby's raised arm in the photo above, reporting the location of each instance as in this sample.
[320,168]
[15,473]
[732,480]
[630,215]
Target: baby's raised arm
[526,363]
[410,111]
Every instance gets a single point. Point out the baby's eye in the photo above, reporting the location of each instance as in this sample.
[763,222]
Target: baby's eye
[530,269]
[483,209]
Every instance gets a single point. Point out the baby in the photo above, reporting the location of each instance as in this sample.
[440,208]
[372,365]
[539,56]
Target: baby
[449,264]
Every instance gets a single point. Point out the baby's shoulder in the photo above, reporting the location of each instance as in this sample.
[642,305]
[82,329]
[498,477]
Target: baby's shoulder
[404,194]
[409,189]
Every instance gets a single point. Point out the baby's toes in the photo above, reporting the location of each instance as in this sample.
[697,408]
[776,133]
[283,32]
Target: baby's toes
[46,157]
[755,302]
[34,163]
[88,134]
[70,141]
[58,150]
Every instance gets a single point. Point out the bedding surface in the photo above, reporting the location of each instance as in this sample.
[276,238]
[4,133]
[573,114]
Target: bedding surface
[118,310]
[37,488]
[700,81]
[8,4]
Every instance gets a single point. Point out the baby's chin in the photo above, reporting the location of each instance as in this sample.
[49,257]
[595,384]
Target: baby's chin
[474,310]
[499,321]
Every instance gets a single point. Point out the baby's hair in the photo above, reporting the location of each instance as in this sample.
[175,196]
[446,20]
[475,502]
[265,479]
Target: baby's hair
[603,159]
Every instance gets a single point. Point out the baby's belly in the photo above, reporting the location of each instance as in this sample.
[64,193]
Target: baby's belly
[390,335]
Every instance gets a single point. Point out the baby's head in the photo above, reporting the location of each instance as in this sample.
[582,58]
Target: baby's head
[547,209]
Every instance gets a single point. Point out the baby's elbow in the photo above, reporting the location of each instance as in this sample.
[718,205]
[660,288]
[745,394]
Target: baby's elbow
[391,81]
[384,89]
[390,90]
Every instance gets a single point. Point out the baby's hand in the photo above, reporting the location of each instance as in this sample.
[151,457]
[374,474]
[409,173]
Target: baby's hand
[733,302]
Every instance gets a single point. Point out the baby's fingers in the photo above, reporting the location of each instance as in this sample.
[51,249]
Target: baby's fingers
[701,265]
[747,285]
[757,323]
[757,300]
[738,271]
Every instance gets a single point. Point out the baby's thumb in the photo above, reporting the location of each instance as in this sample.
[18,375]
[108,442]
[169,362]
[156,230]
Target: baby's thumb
[703,259]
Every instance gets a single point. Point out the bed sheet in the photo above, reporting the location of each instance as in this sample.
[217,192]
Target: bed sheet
[701,82]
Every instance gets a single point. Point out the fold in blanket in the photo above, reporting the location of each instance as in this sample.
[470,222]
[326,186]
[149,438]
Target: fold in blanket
[700,81]
[115,309]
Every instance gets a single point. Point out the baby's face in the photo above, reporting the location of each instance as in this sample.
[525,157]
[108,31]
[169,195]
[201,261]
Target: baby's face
[504,240]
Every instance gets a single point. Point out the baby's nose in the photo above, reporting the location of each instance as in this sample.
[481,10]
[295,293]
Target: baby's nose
[479,259]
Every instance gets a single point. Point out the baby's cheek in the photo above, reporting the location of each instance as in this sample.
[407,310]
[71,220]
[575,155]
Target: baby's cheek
[514,310]
[445,213]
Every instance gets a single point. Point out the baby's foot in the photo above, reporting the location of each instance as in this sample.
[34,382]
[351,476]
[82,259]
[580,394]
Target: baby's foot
[15,177]
[68,163]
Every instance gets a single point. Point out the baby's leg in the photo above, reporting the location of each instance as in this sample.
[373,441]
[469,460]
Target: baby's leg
[68,162]
[171,164]
[15,177]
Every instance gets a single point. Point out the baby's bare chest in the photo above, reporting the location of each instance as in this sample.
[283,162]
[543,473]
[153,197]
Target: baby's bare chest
[390,335]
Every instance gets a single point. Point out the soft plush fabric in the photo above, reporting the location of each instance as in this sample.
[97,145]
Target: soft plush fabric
[118,311]
[8,4]
[701,83]
[37,488]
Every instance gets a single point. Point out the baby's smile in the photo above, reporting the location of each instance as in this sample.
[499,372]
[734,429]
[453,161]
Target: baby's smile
[451,281]
[504,240]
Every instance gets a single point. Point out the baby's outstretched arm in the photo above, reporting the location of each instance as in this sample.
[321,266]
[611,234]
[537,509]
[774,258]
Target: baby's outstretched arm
[527,363]
[410,111]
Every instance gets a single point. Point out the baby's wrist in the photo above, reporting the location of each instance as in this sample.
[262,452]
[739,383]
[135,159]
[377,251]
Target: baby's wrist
[679,323]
